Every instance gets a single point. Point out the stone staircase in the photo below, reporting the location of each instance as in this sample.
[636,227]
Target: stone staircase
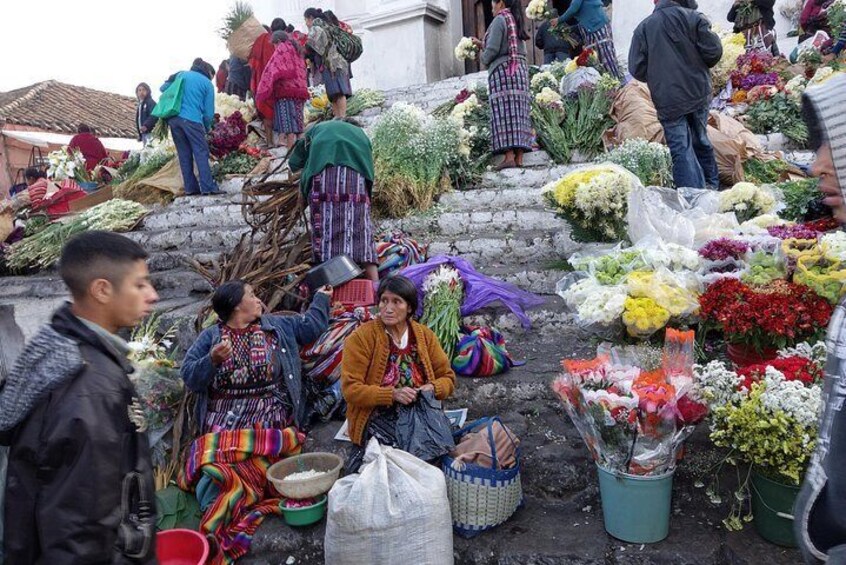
[505,230]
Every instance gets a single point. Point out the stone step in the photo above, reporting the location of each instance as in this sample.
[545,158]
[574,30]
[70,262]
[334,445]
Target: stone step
[525,178]
[446,222]
[191,239]
[518,248]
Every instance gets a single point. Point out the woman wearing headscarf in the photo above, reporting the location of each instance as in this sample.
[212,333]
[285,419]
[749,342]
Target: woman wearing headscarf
[596,31]
[334,70]
[284,88]
[504,53]
[144,120]
[756,21]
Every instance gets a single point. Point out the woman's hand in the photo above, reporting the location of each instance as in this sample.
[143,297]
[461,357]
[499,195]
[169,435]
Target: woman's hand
[404,396]
[327,290]
[221,352]
[477,42]
[430,387]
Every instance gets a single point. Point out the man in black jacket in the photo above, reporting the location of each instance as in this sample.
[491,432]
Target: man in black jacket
[80,483]
[672,51]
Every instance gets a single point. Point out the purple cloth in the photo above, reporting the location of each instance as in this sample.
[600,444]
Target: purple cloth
[479,290]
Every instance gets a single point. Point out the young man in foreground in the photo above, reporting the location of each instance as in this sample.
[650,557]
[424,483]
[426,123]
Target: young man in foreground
[80,484]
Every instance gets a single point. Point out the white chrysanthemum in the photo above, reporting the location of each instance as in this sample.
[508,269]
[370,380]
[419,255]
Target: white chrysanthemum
[716,384]
[799,402]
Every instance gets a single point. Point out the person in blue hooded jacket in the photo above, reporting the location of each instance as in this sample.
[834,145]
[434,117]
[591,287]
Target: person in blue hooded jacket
[595,30]
[189,128]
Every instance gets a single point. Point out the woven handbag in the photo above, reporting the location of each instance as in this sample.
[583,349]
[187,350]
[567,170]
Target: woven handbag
[482,498]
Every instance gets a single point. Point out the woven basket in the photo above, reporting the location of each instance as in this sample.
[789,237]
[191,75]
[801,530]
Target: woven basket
[481,498]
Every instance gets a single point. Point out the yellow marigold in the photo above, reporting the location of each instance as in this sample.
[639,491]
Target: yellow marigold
[564,190]
[739,97]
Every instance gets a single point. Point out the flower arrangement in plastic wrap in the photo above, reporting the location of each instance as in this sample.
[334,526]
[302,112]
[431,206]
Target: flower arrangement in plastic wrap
[649,161]
[443,294]
[466,50]
[159,388]
[747,201]
[769,317]
[227,135]
[766,416]
[634,417]
[594,200]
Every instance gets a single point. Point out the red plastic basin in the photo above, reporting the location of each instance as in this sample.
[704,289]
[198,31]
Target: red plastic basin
[181,547]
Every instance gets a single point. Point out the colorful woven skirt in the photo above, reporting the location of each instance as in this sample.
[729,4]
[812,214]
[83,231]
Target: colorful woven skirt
[511,104]
[340,216]
[602,42]
[288,117]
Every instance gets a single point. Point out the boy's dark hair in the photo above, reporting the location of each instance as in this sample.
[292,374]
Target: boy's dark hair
[227,297]
[402,287]
[96,255]
[83,128]
[290,28]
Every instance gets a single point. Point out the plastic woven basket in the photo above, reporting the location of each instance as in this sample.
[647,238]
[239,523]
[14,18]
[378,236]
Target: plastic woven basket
[357,292]
[480,498]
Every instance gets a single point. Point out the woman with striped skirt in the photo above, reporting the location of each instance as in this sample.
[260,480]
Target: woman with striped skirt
[596,31]
[336,160]
[504,53]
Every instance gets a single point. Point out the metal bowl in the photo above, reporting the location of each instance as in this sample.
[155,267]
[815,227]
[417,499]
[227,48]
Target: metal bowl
[336,271]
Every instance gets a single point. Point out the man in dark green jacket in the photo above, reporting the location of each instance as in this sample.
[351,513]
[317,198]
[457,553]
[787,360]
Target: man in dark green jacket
[673,51]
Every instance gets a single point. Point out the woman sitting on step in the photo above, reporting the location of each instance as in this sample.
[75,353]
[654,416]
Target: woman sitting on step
[246,368]
[336,160]
[504,53]
[388,362]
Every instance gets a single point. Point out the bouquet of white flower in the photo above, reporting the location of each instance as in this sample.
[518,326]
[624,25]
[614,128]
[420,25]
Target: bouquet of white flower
[543,80]
[747,201]
[227,104]
[537,10]
[64,164]
[549,98]
[466,49]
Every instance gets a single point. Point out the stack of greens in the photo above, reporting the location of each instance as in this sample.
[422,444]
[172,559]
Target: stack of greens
[649,161]
[43,249]
[444,293]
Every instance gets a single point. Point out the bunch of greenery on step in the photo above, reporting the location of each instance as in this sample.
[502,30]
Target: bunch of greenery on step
[443,294]
[43,249]
[127,169]
[758,171]
[800,197]
[36,224]
[836,15]
[364,99]
[778,114]
[235,18]
[649,161]
[479,89]
[413,154]
[235,163]
[580,126]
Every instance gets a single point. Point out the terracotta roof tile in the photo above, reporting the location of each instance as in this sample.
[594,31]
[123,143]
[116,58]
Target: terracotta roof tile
[60,107]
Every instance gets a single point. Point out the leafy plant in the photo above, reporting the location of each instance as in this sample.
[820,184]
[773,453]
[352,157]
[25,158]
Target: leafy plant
[235,18]
[778,114]
[579,126]
[649,161]
[235,163]
[764,172]
[799,195]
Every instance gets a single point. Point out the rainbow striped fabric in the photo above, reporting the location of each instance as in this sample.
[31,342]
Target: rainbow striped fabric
[237,462]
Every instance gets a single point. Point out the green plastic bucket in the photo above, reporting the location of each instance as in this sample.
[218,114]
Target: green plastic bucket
[636,509]
[305,516]
[772,508]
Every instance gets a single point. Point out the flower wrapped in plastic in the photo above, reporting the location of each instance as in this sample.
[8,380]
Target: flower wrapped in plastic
[678,293]
[747,201]
[633,420]
[592,302]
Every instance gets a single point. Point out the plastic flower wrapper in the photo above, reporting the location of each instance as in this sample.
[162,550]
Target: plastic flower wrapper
[466,49]
[628,416]
[157,381]
[678,293]
[591,302]
[833,246]
[763,269]
[610,267]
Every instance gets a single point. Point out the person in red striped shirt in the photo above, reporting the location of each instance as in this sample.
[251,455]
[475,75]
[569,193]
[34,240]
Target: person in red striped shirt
[33,196]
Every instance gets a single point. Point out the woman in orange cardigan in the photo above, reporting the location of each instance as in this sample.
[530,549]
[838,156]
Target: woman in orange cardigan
[388,362]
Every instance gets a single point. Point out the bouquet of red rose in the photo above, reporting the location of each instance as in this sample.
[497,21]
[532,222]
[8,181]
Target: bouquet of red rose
[793,367]
[772,316]
[633,418]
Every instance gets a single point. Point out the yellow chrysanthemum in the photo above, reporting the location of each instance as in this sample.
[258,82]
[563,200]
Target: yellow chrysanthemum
[643,316]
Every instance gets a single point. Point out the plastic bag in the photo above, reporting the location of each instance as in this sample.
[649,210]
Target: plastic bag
[821,275]
[676,292]
[655,213]
[581,77]
[395,510]
[423,430]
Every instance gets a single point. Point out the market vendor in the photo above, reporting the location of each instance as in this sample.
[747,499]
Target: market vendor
[504,54]
[33,196]
[386,363]
[246,368]
[336,160]
[89,145]
[756,21]
[284,87]
[820,523]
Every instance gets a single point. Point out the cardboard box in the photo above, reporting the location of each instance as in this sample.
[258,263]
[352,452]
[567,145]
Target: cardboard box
[91,200]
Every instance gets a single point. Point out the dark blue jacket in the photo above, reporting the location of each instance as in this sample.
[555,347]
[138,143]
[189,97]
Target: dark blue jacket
[292,332]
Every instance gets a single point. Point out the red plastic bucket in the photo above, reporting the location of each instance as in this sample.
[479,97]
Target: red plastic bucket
[745,355]
[181,547]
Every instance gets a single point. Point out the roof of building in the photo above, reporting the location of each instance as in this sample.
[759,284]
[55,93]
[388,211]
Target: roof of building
[58,107]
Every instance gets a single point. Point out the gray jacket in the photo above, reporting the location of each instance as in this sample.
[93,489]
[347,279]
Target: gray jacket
[820,511]
[495,52]
[672,51]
